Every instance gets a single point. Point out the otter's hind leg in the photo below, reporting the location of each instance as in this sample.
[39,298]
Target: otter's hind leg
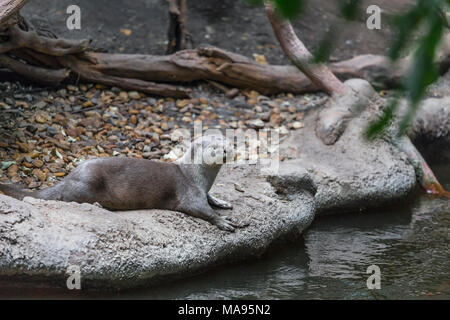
[201,209]
[216,202]
[70,190]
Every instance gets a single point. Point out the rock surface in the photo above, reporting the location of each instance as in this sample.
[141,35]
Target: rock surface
[432,121]
[353,174]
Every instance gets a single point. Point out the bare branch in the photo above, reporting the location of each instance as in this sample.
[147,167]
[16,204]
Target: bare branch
[295,50]
[8,8]
[178,36]
[54,47]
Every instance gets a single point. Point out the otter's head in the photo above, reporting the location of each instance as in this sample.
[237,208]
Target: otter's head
[212,150]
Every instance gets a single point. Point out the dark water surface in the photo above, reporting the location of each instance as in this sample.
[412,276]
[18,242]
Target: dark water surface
[410,243]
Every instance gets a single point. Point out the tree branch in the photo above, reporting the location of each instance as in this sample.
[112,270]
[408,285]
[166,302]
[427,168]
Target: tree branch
[8,8]
[53,47]
[178,36]
[425,175]
[295,50]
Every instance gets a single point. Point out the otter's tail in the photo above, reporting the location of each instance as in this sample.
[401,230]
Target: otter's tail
[14,191]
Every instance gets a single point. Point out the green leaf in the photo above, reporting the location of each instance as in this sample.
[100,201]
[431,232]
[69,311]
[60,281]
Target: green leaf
[349,9]
[423,71]
[406,25]
[256,2]
[323,51]
[289,8]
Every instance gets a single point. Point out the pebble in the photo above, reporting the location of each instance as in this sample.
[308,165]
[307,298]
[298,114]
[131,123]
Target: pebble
[51,131]
[238,187]
[54,132]
[41,176]
[88,104]
[297,125]
[40,105]
[256,124]
[42,117]
[12,170]
[182,103]
[59,174]
[38,163]
[232,93]
[134,95]
[7,164]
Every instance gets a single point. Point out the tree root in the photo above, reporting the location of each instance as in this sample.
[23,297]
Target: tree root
[425,175]
[8,8]
[295,50]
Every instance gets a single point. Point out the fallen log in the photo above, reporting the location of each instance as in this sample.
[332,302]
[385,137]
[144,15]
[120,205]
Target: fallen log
[204,63]
[210,63]
[89,74]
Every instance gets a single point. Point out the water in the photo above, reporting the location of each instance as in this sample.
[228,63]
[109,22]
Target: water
[410,244]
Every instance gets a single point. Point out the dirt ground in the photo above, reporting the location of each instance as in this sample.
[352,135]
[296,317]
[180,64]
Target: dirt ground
[235,25]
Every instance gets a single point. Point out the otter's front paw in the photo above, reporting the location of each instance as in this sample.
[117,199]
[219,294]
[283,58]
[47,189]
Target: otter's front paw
[225,224]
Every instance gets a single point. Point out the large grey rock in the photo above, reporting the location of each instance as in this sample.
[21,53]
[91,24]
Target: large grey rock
[40,239]
[353,174]
[430,129]
[432,120]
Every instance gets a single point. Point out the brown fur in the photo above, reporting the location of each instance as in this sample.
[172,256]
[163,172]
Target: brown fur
[130,183]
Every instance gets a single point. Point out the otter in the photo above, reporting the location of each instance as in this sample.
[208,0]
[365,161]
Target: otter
[130,183]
